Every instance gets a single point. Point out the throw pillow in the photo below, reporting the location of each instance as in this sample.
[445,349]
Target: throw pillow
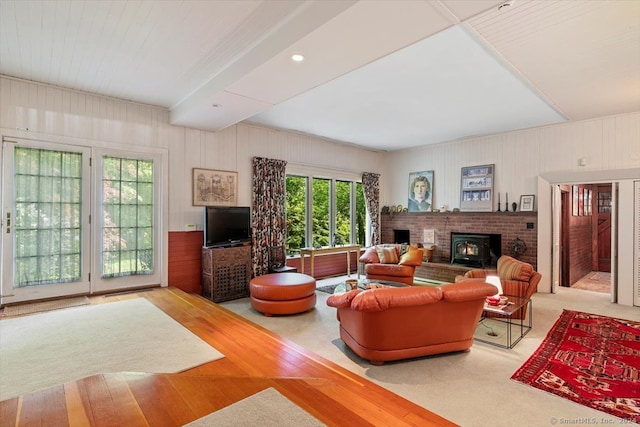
[511,268]
[387,255]
[413,257]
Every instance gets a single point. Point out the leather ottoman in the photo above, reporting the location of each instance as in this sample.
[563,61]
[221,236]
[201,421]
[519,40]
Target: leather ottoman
[288,293]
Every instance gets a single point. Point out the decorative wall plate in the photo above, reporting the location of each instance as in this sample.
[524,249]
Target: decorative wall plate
[399,208]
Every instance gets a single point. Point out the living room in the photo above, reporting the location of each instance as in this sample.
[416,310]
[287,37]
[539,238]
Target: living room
[528,161]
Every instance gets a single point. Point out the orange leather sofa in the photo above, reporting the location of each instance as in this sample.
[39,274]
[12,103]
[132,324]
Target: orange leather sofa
[381,264]
[517,278]
[403,322]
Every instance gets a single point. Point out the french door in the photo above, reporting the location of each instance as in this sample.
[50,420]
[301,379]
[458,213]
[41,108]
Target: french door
[76,220]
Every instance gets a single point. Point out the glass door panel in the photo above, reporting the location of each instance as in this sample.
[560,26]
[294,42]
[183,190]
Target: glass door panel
[45,235]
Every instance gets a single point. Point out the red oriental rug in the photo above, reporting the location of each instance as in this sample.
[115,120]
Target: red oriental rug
[592,360]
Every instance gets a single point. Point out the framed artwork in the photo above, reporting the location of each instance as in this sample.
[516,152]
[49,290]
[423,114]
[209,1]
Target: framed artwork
[574,204]
[527,202]
[214,188]
[420,191]
[476,189]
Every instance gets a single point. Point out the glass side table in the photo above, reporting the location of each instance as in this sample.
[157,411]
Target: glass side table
[503,325]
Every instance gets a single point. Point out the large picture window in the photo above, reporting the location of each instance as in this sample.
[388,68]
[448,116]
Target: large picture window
[324,211]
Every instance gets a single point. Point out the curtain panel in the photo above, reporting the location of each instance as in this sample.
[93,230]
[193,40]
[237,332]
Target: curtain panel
[371,189]
[268,207]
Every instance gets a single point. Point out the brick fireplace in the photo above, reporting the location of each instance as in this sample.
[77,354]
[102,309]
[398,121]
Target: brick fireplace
[509,225]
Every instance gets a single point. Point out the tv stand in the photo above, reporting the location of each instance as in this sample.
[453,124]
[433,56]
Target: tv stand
[226,272]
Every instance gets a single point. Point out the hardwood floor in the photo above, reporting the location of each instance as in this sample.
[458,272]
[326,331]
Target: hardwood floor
[255,359]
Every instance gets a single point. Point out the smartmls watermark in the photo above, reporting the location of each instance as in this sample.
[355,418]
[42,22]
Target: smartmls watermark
[589,421]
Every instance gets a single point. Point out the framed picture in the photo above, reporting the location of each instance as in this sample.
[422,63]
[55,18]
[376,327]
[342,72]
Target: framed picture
[526,203]
[574,204]
[214,187]
[420,191]
[476,189]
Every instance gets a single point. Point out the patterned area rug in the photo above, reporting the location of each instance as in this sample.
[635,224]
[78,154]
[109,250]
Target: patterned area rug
[592,360]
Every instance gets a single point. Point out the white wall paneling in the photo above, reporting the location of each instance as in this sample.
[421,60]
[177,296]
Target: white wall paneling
[608,144]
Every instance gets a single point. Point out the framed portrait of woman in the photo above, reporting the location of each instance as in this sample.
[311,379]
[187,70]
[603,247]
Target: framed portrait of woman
[420,191]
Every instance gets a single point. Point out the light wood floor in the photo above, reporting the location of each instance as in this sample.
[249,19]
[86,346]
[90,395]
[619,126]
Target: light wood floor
[255,359]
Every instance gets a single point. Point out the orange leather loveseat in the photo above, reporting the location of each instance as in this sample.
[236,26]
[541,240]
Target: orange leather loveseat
[398,323]
[392,262]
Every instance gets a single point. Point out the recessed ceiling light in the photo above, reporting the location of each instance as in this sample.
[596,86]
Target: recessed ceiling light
[297,57]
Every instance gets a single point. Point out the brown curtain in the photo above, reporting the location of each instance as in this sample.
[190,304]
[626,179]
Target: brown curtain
[371,189]
[268,207]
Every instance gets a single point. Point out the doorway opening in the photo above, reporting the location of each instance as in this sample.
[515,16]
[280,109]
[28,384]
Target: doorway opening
[585,236]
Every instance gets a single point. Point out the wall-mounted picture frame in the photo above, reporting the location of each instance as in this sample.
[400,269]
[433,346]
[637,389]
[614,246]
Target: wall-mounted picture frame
[476,188]
[527,203]
[574,204]
[420,191]
[214,187]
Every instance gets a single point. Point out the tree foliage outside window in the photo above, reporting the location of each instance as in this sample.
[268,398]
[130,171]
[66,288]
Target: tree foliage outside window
[127,233]
[343,213]
[296,212]
[347,227]
[320,208]
[48,202]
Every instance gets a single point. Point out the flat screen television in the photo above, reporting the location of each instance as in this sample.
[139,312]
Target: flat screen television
[226,225]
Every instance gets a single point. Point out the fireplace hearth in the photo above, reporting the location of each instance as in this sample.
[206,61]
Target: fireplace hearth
[475,249]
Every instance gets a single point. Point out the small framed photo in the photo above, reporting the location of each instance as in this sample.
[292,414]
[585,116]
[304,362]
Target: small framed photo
[526,203]
[214,187]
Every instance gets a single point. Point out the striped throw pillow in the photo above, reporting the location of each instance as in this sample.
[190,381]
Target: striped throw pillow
[387,255]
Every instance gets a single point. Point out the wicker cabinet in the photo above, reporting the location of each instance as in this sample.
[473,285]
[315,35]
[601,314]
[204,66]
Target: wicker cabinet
[226,273]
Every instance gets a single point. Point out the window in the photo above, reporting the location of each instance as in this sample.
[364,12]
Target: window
[127,230]
[324,211]
[48,206]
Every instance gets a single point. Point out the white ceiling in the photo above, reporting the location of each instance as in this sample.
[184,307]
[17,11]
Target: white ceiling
[381,74]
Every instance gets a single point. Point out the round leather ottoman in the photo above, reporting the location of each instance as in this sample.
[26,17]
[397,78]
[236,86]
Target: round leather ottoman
[283,293]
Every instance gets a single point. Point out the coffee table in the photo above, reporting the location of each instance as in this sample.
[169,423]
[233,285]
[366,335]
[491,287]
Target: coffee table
[365,284]
[513,330]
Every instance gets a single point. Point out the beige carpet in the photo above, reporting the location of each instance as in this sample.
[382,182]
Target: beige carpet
[46,349]
[267,408]
[39,307]
[472,389]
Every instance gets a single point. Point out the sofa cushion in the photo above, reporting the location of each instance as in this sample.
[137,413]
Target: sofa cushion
[512,269]
[413,257]
[387,254]
[388,270]
[384,298]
